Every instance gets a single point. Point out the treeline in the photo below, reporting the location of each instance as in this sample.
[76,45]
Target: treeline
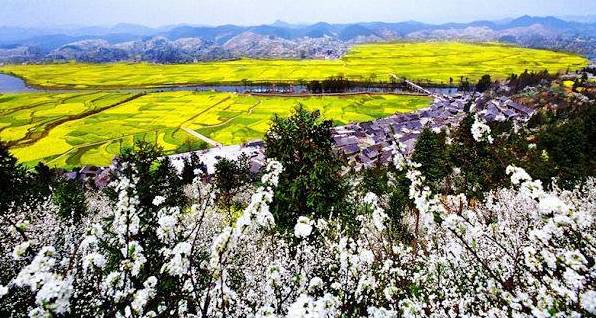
[331,85]
[517,83]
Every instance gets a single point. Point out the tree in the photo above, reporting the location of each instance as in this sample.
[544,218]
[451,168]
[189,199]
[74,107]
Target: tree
[569,146]
[43,177]
[17,185]
[394,185]
[312,183]
[69,196]
[314,87]
[231,177]
[157,188]
[464,84]
[13,180]
[191,165]
[431,153]
[480,163]
[483,83]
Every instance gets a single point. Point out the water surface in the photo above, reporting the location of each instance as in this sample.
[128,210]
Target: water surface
[12,84]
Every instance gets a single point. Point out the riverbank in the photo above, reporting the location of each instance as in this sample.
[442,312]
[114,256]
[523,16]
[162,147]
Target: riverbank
[13,84]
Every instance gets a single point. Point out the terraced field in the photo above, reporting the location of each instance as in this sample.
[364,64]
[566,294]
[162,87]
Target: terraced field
[435,62]
[72,129]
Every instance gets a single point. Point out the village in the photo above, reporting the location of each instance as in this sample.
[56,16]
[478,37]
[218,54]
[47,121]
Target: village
[364,144]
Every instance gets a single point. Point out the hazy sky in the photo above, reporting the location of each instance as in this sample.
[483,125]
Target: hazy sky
[251,12]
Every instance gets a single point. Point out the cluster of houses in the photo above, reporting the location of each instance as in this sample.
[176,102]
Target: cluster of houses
[371,143]
[365,144]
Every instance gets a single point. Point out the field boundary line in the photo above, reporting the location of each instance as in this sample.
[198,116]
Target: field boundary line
[227,121]
[27,141]
[205,110]
[95,143]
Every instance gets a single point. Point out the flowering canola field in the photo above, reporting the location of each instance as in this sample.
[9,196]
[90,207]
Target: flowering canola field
[435,62]
[90,128]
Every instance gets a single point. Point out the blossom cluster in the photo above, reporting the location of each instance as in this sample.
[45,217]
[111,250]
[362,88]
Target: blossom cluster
[524,251]
[481,131]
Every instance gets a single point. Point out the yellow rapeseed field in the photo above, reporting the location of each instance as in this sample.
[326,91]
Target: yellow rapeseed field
[61,129]
[435,62]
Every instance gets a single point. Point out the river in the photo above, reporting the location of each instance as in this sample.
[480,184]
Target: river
[12,84]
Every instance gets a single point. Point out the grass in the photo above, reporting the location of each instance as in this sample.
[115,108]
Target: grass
[70,131]
[435,62]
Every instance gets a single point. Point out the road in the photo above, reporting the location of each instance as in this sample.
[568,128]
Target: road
[203,138]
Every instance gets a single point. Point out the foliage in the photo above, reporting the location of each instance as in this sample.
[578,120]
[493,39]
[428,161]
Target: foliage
[473,152]
[570,147]
[69,197]
[523,252]
[336,84]
[386,242]
[312,183]
[231,178]
[155,174]
[191,164]
[526,79]
[391,186]
[432,155]
[13,180]
[483,83]
[18,186]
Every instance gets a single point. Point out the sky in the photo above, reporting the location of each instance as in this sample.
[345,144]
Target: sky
[253,12]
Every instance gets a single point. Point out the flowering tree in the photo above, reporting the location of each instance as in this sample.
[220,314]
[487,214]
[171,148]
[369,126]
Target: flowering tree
[148,250]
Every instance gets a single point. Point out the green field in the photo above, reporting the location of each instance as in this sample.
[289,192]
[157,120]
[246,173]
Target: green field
[89,128]
[431,61]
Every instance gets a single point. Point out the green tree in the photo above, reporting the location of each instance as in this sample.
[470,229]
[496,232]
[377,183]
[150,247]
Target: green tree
[570,147]
[231,177]
[393,185]
[431,153]
[154,176]
[18,185]
[483,83]
[13,180]
[69,196]
[191,165]
[312,183]
[481,165]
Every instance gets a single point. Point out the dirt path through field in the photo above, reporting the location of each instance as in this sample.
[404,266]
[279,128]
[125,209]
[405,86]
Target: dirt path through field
[202,137]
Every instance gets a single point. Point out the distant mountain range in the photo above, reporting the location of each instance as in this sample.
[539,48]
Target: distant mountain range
[188,43]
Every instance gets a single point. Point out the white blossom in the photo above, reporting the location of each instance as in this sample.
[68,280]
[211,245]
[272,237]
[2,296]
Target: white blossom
[20,250]
[303,227]
[3,291]
[158,200]
[481,131]
[588,301]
